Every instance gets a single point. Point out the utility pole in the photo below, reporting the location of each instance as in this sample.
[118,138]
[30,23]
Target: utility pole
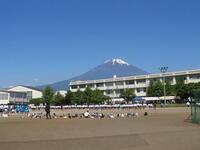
[163,70]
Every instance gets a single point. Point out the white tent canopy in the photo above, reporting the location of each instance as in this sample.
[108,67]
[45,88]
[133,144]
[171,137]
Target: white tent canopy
[159,98]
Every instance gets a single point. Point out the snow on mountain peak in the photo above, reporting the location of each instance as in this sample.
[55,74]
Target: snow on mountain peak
[117,61]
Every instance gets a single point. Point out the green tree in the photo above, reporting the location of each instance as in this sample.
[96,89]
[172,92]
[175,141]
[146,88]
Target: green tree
[36,101]
[195,94]
[155,89]
[88,96]
[127,94]
[58,99]
[79,98]
[169,89]
[98,97]
[69,97]
[182,90]
[193,86]
[48,95]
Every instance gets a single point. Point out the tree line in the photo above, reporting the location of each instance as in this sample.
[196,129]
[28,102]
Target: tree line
[71,98]
[181,90]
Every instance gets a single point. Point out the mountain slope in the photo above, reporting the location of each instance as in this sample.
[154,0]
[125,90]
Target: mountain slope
[112,67]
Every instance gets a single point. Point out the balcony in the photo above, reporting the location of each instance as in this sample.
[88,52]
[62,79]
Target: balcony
[141,94]
[101,88]
[192,81]
[119,87]
[141,85]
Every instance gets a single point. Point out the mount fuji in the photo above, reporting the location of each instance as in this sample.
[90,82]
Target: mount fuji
[108,69]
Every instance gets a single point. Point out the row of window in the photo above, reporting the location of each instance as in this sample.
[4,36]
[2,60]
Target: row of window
[5,96]
[18,95]
[109,84]
[132,82]
[138,90]
[195,76]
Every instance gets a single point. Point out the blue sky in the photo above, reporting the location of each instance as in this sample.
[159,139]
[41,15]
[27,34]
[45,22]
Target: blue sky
[44,41]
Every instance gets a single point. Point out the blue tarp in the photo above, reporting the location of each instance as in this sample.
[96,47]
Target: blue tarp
[138,99]
[22,108]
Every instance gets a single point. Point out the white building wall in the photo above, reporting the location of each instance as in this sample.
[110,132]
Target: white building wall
[4,101]
[62,92]
[35,93]
[7,97]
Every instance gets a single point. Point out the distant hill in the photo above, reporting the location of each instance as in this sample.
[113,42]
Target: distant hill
[109,68]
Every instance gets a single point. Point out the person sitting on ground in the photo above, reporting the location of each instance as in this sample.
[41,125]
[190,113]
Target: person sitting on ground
[87,114]
[54,115]
[112,116]
[100,115]
[69,116]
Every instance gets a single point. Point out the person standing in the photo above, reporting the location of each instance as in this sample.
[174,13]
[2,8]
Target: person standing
[154,105]
[48,111]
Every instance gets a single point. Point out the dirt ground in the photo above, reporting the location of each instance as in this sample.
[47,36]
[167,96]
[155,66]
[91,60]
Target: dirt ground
[162,129]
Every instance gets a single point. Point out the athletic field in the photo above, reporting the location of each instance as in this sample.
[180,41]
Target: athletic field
[162,129]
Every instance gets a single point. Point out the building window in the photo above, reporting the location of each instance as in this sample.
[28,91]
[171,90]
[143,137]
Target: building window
[141,81]
[141,90]
[117,91]
[138,90]
[195,76]
[90,85]
[119,83]
[74,86]
[109,84]
[130,82]
[100,84]
[18,95]
[109,92]
[82,86]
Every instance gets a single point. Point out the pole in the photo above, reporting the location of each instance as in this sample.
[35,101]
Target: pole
[164,89]
[163,70]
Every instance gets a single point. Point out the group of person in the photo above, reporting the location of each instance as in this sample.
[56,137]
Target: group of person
[93,115]
[7,109]
[40,114]
[48,115]
[86,114]
[96,107]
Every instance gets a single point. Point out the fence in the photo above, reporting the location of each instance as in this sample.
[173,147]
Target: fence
[195,106]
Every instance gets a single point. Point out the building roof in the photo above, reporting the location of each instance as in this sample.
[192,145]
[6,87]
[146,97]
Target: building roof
[29,87]
[5,91]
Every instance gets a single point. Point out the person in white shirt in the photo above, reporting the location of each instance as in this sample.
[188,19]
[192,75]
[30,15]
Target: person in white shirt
[87,114]
[188,104]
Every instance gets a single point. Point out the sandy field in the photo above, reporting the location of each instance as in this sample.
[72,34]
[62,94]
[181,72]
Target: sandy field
[162,129]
